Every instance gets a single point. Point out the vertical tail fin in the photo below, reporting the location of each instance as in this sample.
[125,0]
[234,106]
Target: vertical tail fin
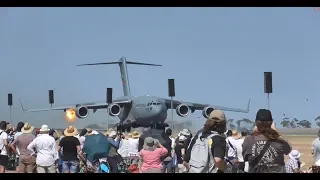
[123,70]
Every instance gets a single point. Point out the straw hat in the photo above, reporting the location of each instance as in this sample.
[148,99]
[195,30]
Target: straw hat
[44,128]
[112,133]
[129,135]
[27,128]
[236,134]
[135,134]
[70,131]
[91,132]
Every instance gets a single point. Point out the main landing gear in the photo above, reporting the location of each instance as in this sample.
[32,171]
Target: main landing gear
[158,125]
[123,128]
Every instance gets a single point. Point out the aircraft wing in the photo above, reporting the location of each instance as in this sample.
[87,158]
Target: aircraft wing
[197,106]
[92,105]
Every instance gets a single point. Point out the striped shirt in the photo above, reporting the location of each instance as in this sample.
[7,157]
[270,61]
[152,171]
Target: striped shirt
[291,165]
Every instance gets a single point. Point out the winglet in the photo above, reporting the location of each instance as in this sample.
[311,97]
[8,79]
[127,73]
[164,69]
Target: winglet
[22,106]
[248,108]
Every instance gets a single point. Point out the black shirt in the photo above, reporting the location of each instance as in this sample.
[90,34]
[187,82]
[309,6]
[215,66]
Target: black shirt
[186,142]
[177,150]
[69,145]
[218,147]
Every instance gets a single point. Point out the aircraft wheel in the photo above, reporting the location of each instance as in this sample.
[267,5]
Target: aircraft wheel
[128,129]
[119,127]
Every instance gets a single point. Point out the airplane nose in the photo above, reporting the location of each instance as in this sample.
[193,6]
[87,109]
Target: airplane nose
[156,110]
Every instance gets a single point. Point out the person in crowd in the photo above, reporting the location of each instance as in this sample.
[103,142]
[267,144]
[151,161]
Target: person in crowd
[133,146]
[71,149]
[92,165]
[19,147]
[36,132]
[162,137]
[60,161]
[151,155]
[92,132]
[167,161]
[316,148]
[18,133]
[10,133]
[187,134]
[216,123]
[169,133]
[243,163]
[228,133]
[293,165]
[46,148]
[180,151]
[231,146]
[114,157]
[106,134]
[3,146]
[124,147]
[51,133]
[82,137]
[265,149]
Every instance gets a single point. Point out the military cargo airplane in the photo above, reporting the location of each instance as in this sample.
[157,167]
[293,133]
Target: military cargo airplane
[138,111]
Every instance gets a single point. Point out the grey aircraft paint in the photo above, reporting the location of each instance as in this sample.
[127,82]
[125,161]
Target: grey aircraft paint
[138,111]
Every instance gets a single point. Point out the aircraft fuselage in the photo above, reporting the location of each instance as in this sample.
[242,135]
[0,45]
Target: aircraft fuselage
[144,110]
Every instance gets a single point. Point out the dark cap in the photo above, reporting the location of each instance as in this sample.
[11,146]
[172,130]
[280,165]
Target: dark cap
[264,115]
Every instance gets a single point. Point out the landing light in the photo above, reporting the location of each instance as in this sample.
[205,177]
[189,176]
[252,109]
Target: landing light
[70,115]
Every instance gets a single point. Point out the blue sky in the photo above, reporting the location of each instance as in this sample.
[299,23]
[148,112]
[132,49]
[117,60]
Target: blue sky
[216,55]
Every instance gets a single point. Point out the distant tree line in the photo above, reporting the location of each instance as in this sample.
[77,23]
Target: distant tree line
[285,123]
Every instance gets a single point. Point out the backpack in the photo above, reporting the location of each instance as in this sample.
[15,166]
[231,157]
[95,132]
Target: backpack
[201,159]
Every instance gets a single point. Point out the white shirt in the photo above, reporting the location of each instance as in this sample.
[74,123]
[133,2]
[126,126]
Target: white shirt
[46,148]
[231,151]
[14,138]
[81,140]
[237,143]
[3,136]
[129,147]
[133,145]
[124,148]
[173,143]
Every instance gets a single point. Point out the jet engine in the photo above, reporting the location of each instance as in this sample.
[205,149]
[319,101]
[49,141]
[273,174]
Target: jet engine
[182,110]
[114,109]
[82,112]
[206,111]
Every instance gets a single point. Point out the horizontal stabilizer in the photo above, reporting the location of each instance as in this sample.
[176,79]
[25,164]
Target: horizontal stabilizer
[127,62]
[94,64]
[146,64]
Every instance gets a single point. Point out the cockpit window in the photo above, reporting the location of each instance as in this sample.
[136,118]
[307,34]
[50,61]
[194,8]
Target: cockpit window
[158,103]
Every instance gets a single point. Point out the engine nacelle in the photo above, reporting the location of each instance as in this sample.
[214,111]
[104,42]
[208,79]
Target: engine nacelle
[114,110]
[182,110]
[206,111]
[82,112]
